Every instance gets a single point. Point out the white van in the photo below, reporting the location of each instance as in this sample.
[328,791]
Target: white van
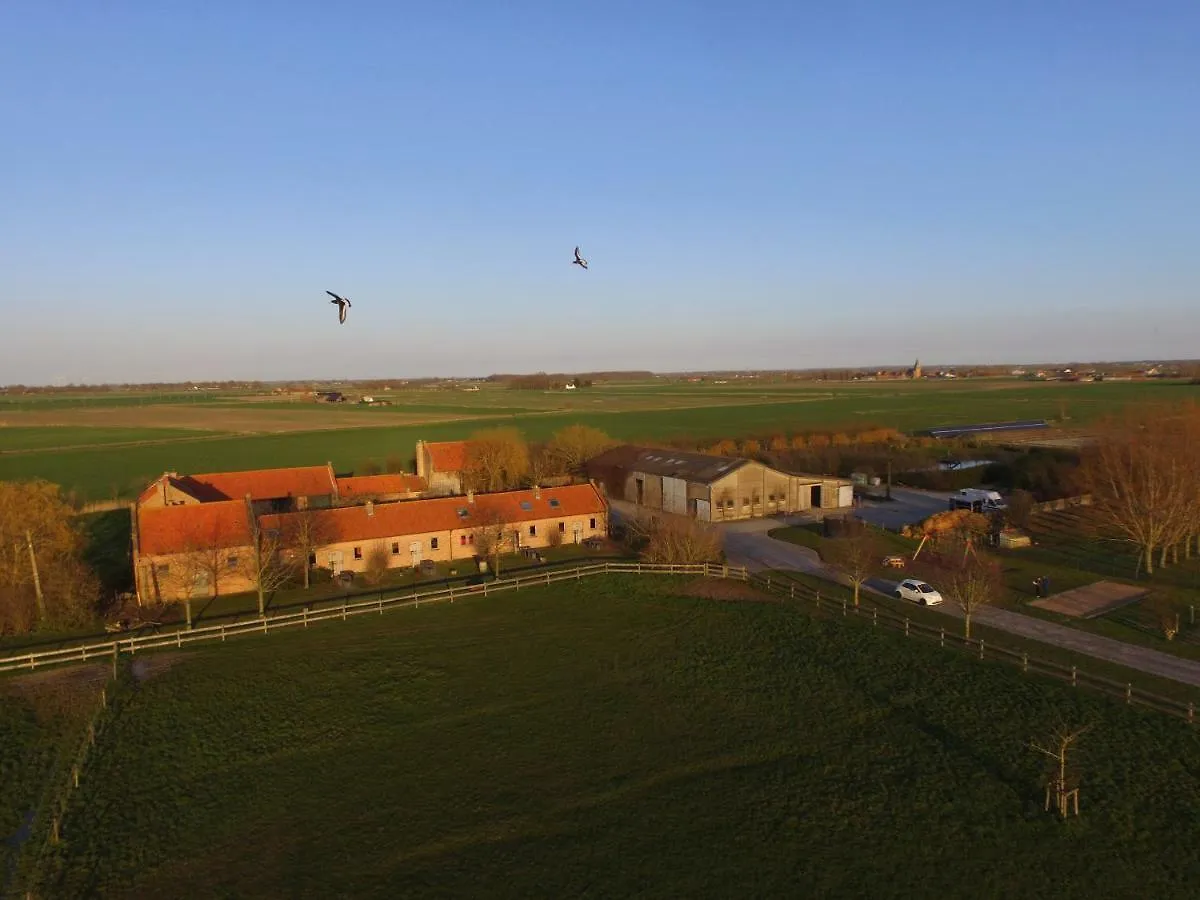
[978,500]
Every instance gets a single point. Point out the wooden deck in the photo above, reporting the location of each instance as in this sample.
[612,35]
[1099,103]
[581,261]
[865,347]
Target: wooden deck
[1092,600]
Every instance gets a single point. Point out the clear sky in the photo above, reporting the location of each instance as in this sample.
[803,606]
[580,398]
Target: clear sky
[755,184]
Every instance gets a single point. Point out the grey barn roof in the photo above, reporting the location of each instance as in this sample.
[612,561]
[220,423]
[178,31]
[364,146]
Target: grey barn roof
[695,467]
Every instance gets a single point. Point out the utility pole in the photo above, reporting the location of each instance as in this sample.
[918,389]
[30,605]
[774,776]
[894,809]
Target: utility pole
[37,581]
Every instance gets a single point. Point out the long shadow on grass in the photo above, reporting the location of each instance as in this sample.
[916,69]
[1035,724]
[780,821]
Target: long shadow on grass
[956,745]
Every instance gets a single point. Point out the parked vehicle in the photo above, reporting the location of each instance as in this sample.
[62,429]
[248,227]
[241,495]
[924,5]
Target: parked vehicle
[978,500]
[918,592]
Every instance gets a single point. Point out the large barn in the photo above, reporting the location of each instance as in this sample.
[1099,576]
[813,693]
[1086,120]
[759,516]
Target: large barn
[712,488]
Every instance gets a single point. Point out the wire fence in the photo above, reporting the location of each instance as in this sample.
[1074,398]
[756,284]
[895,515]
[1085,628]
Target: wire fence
[977,647]
[46,827]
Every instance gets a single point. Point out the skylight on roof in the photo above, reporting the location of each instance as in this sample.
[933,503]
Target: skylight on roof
[527,506]
[554,502]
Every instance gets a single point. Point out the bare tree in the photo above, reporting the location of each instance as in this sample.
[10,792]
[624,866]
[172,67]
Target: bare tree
[676,540]
[304,533]
[269,568]
[497,458]
[1135,473]
[856,553]
[377,559]
[1062,785]
[490,537]
[966,576]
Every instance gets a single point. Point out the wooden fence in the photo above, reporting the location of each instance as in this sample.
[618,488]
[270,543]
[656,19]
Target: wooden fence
[977,647]
[98,650]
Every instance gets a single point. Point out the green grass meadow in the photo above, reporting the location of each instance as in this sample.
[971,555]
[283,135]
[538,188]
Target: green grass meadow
[618,739]
[630,412]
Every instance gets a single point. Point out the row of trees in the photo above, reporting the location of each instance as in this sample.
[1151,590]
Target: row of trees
[501,459]
[1143,474]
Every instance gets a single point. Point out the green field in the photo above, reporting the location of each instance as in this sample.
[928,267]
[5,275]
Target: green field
[618,739]
[313,433]
[48,437]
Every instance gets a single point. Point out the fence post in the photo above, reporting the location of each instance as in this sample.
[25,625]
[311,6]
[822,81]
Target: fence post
[942,639]
[75,775]
[1072,676]
[381,603]
[817,599]
[116,653]
[906,626]
[222,631]
[843,607]
[792,592]
[451,593]
[485,583]
[305,616]
[875,617]
[343,610]
[1128,692]
[1024,662]
[981,648]
[178,638]
[547,578]
[264,625]
[1191,711]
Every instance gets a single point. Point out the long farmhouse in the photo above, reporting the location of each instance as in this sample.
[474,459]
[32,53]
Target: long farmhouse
[195,535]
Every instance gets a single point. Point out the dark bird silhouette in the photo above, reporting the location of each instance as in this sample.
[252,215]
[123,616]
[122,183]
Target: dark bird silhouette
[579,260]
[342,303]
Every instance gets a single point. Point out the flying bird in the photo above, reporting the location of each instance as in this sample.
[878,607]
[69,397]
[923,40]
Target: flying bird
[579,260]
[342,303]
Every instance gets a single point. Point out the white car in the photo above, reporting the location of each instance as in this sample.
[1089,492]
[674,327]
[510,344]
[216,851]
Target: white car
[918,592]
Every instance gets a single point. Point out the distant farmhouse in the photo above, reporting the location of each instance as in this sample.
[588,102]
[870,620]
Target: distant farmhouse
[712,488]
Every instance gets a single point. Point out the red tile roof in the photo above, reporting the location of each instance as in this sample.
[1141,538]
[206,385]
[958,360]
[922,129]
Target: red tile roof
[261,484]
[351,523]
[447,456]
[181,529]
[358,485]
[268,484]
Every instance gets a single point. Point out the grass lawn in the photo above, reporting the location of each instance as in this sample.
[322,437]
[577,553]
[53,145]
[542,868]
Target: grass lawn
[617,739]
[37,438]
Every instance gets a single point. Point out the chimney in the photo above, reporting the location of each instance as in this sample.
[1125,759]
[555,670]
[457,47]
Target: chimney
[537,492]
[470,496]
[370,508]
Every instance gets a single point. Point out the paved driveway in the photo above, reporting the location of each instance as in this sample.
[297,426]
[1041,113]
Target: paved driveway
[908,506]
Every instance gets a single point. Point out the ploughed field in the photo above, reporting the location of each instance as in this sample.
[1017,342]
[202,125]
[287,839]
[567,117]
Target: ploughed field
[110,445]
[652,736]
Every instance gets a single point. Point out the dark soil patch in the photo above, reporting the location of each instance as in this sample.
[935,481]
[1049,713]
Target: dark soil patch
[725,589]
[150,665]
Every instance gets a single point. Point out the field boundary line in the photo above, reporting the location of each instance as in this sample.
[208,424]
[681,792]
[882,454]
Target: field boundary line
[977,647]
[114,649]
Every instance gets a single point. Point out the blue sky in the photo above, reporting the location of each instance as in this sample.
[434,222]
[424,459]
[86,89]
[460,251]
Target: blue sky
[755,184]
